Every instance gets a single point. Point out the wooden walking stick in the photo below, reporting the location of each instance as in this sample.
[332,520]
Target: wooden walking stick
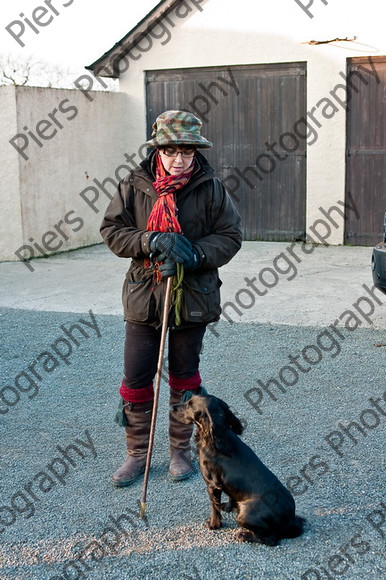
[164,330]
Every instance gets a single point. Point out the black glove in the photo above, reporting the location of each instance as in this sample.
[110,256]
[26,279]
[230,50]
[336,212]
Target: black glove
[173,246]
[194,261]
[168,268]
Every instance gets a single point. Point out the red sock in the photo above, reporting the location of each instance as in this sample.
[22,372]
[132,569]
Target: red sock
[188,384]
[137,395]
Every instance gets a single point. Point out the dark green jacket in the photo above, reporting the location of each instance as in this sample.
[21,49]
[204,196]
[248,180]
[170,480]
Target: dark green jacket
[208,219]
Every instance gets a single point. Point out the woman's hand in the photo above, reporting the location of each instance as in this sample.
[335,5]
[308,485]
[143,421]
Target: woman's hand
[168,268]
[172,249]
[173,246]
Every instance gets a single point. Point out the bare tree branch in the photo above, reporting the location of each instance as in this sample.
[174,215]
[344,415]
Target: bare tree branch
[21,71]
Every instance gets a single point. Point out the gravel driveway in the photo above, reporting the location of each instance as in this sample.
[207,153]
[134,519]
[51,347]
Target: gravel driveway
[302,361]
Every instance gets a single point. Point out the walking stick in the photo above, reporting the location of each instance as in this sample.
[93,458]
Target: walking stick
[164,330]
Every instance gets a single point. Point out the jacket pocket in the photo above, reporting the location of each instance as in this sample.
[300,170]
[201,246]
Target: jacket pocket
[201,298]
[136,299]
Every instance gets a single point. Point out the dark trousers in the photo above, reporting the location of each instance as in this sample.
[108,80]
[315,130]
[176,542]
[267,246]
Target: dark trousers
[142,347]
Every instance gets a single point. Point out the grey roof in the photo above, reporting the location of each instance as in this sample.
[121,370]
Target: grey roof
[107,65]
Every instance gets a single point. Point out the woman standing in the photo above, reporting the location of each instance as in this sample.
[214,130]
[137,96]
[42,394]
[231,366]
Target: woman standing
[171,211]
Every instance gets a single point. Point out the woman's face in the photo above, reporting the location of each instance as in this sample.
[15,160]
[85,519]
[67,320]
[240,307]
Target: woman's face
[176,160]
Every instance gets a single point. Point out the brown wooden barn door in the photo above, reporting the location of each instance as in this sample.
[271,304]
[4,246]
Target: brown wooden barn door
[250,113]
[366,150]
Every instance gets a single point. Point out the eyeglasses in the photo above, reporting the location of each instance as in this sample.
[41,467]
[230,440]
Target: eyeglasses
[186,153]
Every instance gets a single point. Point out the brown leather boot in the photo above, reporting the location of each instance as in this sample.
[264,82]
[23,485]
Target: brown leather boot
[179,439]
[138,417]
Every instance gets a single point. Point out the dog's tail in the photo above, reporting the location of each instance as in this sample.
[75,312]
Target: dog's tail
[295,528]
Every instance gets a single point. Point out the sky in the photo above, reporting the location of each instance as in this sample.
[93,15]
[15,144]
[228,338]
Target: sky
[76,32]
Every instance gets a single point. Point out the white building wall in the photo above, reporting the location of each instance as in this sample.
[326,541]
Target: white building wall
[86,137]
[10,208]
[265,31]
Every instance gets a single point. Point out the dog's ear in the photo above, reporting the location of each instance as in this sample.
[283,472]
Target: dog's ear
[205,424]
[232,421]
[198,411]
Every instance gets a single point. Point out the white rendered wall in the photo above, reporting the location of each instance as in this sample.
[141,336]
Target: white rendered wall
[10,208]
[265,31]
[39,192]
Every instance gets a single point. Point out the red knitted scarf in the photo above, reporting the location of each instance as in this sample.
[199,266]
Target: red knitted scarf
[163,216]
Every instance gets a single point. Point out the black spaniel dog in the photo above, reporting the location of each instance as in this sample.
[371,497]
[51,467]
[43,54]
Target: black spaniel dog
[265,508]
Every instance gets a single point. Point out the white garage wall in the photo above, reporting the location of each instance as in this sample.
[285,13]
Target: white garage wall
[225,32]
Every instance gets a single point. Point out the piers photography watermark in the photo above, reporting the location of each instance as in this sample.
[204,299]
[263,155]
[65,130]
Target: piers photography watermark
[120,539]
[327,342]
[40,17]
[349,554]
[25,501]
[108,543]
[340,441]
[307,4]
[47,128]
[59,352]
[346,436]
[304,129]
[284,265]
[52,240]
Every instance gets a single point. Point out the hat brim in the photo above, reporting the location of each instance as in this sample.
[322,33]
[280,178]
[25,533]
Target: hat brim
[201,143]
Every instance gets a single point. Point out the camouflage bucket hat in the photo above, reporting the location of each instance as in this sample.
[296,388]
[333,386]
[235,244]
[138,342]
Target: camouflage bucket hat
[178,128]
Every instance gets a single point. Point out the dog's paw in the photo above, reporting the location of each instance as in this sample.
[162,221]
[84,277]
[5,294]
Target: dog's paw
[213,524]
[245,536]
[270,541]
[249,536]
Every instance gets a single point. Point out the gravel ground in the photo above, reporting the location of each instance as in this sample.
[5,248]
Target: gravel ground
[61,518]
